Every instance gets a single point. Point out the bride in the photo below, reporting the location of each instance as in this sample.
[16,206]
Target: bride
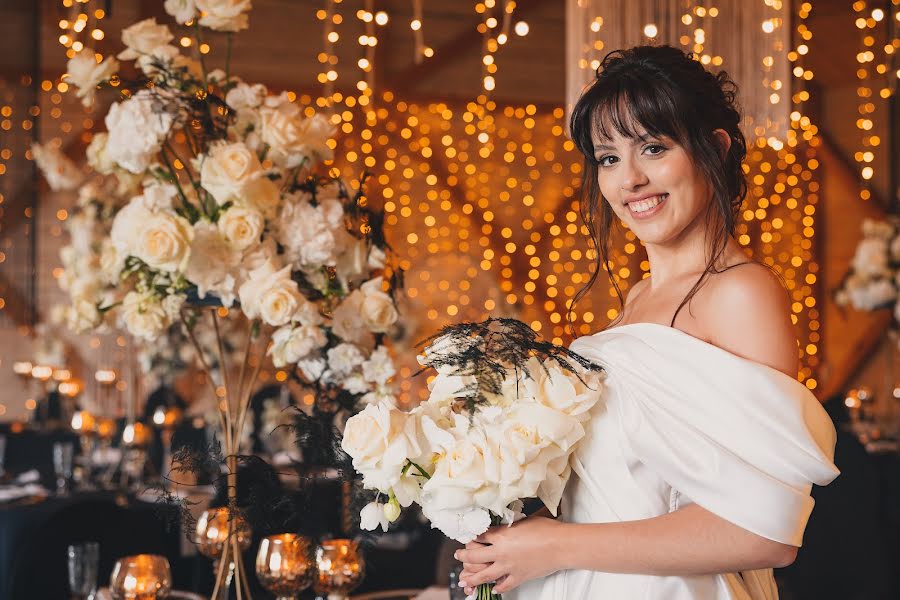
[693,480]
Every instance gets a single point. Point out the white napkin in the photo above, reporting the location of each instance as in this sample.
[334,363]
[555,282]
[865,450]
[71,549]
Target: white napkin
[32,476]
[22,491]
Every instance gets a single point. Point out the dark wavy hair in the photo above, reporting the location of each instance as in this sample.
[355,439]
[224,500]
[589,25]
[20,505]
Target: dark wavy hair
[662,91]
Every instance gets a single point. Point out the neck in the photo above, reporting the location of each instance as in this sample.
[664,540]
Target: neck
[686,255]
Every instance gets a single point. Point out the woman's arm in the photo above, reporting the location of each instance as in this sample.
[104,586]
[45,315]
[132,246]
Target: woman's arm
[689,541]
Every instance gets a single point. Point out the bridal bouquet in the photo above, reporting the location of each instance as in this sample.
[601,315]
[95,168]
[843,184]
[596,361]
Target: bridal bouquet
[505,412]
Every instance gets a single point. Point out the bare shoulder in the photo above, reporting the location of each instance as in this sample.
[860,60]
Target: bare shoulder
[747,311]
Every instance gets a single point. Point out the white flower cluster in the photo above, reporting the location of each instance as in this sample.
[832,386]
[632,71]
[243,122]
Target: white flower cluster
[874,278]
[463,468]
[215,198]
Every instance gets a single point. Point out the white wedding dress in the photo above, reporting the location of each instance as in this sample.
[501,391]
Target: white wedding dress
[683,421]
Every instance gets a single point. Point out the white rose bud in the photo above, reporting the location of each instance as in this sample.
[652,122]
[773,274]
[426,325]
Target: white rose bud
[372,516]
[392,510]
[97,156]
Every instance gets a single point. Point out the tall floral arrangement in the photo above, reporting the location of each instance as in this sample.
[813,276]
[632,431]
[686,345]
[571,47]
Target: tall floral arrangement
[232,208]
[873,281]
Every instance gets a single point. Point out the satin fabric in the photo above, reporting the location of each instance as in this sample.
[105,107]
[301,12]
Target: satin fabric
[684,421]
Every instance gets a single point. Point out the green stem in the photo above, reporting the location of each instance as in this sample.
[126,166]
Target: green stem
[421,471]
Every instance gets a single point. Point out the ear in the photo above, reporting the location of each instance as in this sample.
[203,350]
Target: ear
[723,140]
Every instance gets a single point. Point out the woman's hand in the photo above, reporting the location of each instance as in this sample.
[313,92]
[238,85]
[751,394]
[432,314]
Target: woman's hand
[512,555]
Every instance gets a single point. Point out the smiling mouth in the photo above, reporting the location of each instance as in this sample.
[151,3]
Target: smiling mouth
[647,204]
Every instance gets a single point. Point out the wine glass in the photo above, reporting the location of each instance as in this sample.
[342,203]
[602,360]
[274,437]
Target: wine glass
[2,456]
[339,568]
[63,452]
[284,564]
[141,577]
[83,562]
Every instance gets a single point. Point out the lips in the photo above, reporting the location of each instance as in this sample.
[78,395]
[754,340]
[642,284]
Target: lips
[646,204]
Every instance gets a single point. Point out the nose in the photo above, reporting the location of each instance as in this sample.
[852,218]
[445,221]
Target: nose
[633,177]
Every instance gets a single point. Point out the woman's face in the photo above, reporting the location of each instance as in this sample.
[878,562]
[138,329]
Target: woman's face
[652,185]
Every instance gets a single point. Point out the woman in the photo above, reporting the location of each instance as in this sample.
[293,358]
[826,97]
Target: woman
[693,479]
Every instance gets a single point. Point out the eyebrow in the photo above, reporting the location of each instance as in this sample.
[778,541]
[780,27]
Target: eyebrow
[641,139]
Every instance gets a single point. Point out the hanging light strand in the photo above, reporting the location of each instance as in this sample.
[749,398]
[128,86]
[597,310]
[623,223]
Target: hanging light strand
[421,51]
[329,60]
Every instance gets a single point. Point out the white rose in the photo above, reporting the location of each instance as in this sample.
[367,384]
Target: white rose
[226,169]
[241,226]
[59,171]
[127,225]
[317,130]
[85,73]
[270,295]
[377,310]
[182,10]
[293,139]
[380,439]
[379,367]
[211,263]
[224,15]
[347,324]
[143,315]
[97,156]
[290,344]
[563,391]
[254,258]
[354,263]
[143,38]
[164,242]
[137,128]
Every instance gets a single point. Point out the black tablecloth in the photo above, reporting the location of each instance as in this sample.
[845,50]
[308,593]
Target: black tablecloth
[34,537]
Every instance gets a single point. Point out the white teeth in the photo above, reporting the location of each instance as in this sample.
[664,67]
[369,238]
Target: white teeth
[647,204]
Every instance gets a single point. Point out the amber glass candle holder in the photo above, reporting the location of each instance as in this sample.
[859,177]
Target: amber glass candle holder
[141,577]
[339,568]
[284,564]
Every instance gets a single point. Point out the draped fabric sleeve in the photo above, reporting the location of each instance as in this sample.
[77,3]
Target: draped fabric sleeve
[736,437]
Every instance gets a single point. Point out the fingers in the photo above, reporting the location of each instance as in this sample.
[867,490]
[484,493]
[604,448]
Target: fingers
[482,554]
[508,584]
[488,574]
[474,567]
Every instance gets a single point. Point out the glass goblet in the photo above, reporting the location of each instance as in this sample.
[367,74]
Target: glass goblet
[83,562]
[284,564]
[339,568]
[212,535]
[63,455]
[141,577]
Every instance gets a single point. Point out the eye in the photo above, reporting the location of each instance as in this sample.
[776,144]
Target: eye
[655,149]
[605,161]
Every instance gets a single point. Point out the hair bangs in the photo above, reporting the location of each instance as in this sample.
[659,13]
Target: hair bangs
[636,109]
